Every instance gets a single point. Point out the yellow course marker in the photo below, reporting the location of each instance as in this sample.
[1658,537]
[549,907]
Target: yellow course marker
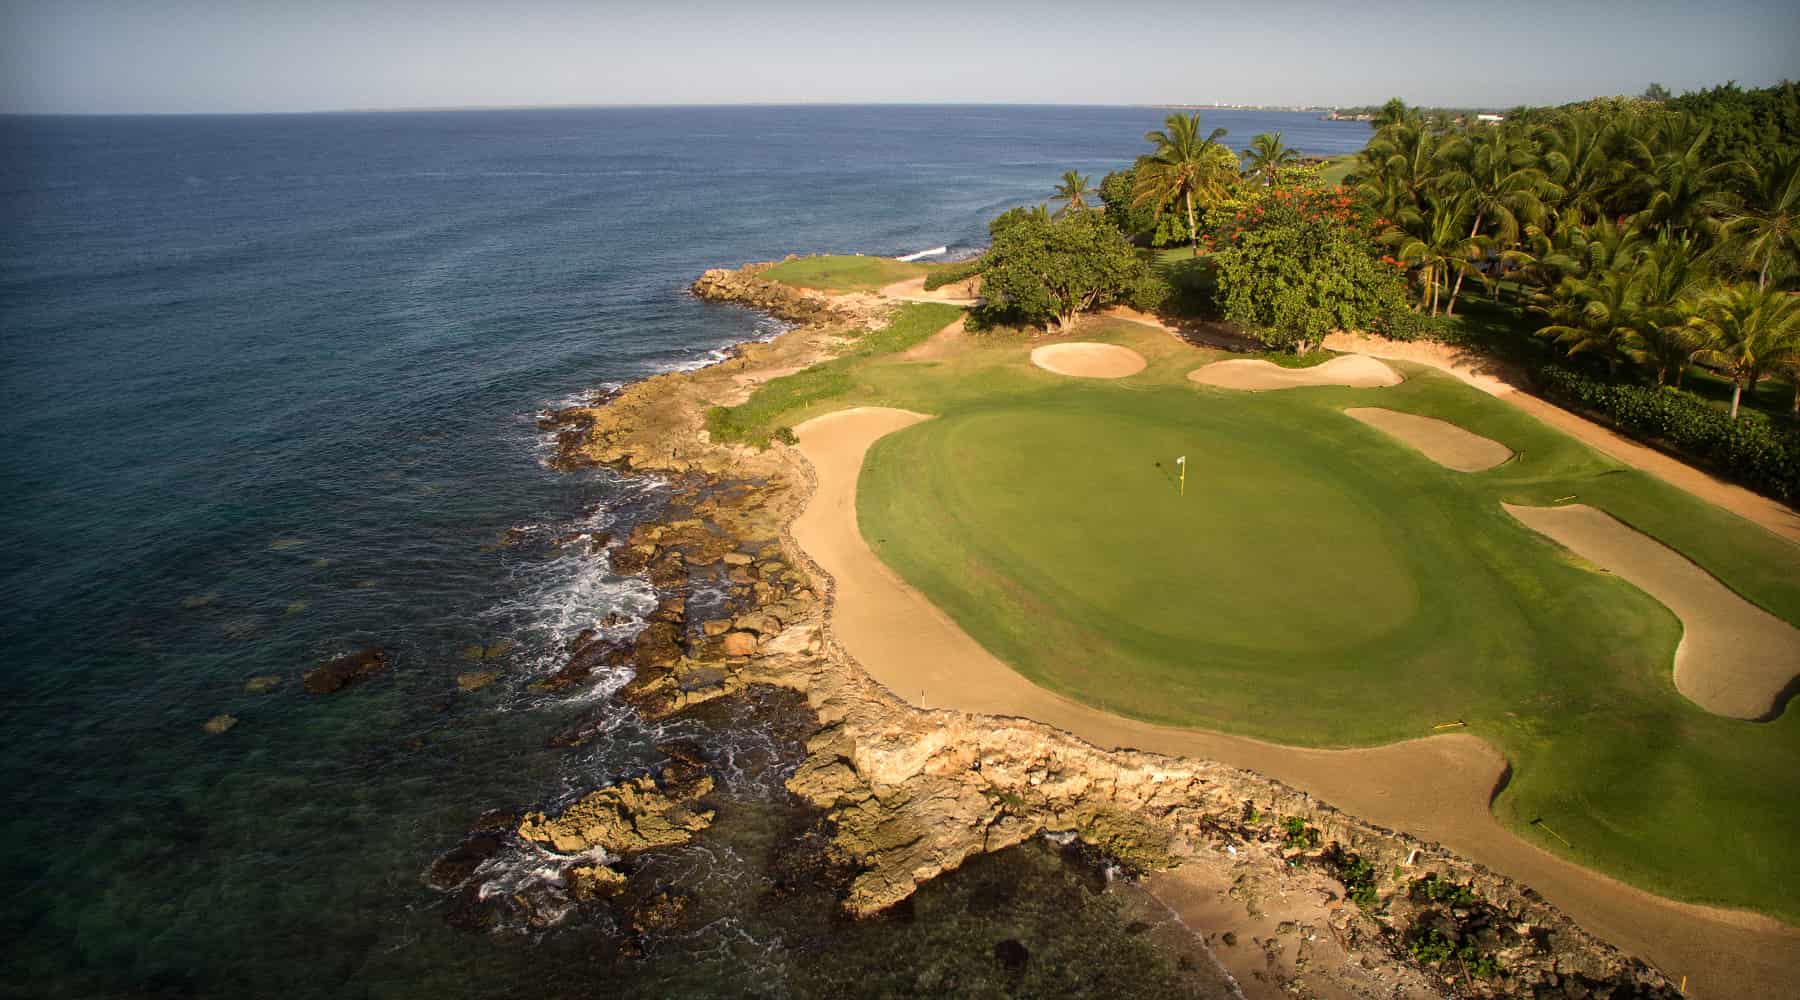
[1182,462]
[1561,499]
[1449,725]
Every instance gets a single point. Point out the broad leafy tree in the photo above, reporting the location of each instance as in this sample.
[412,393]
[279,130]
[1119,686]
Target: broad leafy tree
[1048,271]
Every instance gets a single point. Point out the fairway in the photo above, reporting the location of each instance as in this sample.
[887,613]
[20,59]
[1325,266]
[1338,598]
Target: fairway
[1323,583]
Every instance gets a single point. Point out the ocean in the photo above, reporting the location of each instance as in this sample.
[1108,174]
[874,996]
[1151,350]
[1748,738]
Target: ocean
[270,388]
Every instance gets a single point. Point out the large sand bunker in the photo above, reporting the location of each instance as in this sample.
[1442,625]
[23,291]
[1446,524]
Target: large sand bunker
[1735,659]
[1354,370]
[1085,360]
[1437,788]
[1439,440]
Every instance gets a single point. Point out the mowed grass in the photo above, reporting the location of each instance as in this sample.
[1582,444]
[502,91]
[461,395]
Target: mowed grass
[844,273]
[1322,584]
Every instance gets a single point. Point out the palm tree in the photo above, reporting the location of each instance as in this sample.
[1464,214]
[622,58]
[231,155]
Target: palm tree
[1687,191]
[1601,313]
[1766,230]
[1401,165]
[1267,153]
[1588,157]
[1669,277]
[1500,171]
[1434,242]
[1748,330]
[1073,192]
[1182,167]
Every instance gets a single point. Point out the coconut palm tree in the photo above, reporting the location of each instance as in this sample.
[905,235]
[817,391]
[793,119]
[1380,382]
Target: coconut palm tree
[1766,232]
[1400,166]
[1433,241]
[1072,192]
[1601,314]
[1267,153]
[1499,169]
[1587,158]
[1687,191]
[1183,167]
[1749,331]
[1670,276]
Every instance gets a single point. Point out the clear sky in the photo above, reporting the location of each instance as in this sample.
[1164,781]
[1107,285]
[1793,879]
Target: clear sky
[298,55]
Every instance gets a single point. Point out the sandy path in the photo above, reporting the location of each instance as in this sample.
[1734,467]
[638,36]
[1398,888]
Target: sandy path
[941,344]
[1734,659]
[1500,380]
[960,293]
[1353,370]
[1439,440]
[1436,788]
[1085,360]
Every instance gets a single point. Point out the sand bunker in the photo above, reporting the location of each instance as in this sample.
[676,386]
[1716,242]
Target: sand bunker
[1437,788]
[1735,659]
[1089,360]
[1354,370]
[1439,440]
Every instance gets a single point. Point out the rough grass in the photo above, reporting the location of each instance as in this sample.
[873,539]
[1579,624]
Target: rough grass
[1336,168]
[1322,584]
[779,403]
[844,273]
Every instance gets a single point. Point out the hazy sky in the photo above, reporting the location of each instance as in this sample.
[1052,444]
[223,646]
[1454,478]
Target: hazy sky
[296,55]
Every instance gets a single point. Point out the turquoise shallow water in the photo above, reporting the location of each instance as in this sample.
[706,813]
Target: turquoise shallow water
[269,396]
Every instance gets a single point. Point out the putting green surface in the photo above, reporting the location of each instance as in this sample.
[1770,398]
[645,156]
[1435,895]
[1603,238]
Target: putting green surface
[1323,584]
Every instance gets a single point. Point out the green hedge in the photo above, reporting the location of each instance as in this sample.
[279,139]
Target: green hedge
[1751,449]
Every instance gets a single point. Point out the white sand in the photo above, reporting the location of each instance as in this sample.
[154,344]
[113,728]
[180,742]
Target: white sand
[1086,360]
[1353,370]
[1734,659]
[1439,440]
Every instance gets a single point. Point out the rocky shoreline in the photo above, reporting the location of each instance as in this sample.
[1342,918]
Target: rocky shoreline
[901,794]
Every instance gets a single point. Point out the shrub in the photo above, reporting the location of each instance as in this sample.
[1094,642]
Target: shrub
[1045,271]
[1297,836]
[1750,449]
[1439,890]
[1296,266]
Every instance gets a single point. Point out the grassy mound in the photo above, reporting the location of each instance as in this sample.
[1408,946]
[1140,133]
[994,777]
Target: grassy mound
[844,274]
[1323,584]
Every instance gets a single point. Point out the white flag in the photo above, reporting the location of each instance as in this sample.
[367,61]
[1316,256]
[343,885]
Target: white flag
[1181,461]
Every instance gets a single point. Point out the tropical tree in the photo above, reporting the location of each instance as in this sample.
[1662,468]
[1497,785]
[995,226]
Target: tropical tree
[1498,167]
[1049,271]
[1687,191]
[1765,232]
[1601,314]
[1266,154]
[1434,242]
[1749,331]
[1670,276]
[1184,167]
[1073,192]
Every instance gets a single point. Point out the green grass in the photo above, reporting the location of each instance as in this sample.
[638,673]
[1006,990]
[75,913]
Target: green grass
[1337,168]
[779,403]
[1321,584]
[844,273]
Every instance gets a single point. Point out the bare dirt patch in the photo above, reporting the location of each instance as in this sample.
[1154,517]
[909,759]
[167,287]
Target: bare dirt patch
[1353,370]
[1437,788]
[1735,659]
[1088,360]
[1439,440]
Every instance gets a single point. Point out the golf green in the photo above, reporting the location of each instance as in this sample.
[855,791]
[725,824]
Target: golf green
[1323,584]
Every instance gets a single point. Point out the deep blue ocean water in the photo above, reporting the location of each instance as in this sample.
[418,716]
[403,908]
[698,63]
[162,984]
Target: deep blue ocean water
[269,387]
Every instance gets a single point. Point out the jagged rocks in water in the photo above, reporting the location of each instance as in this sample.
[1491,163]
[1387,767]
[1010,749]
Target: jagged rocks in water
[486,836]
[475,680]
[591,882]
[219,724]
[631,816]
[262,683]
[661,912]
[335,675]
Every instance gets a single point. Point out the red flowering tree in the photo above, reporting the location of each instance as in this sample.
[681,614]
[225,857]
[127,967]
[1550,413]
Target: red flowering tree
[1298,260]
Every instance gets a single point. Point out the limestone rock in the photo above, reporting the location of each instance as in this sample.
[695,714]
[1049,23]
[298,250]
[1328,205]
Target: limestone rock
[219,724]
[335,675]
